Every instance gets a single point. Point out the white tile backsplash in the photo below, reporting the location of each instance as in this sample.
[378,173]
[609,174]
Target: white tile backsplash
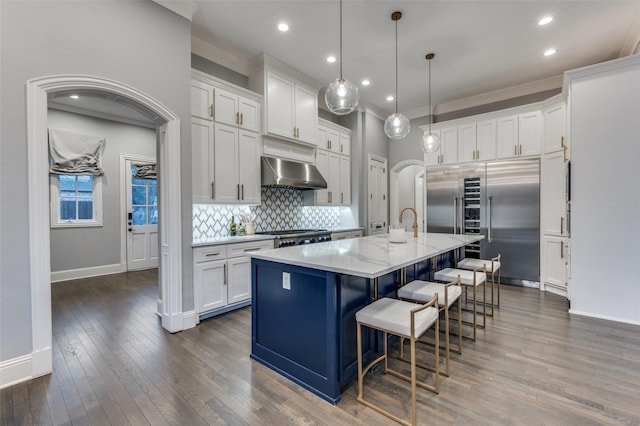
[280,209]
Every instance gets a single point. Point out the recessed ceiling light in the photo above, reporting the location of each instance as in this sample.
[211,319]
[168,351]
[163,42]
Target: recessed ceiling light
[549,52]
[283,27]
[389,98]
[365,82]
[545,20]
[74,96]
[331,59]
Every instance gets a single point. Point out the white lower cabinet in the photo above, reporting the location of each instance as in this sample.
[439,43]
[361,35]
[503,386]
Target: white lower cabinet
[222,276]
[555,264]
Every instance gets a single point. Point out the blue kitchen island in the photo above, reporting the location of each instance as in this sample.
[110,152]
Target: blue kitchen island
[304,301]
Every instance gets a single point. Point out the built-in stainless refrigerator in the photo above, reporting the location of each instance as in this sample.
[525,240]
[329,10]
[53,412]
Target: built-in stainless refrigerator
[500,200]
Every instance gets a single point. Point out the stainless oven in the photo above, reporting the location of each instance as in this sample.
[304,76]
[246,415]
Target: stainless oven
[295,237]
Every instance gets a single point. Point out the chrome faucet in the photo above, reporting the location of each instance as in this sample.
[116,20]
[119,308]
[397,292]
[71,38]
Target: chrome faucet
[415,220]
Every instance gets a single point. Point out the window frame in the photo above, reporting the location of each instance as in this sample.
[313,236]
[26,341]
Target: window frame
[56,222]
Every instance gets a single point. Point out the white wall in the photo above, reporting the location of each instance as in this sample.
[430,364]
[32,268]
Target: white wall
[605,207]
[138,43]
[75,248]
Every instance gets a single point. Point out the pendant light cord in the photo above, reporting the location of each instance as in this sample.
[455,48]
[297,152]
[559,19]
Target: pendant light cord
[341,40]
[430,111]
[396,66]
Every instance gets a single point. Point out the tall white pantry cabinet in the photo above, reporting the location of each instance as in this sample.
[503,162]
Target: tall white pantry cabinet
[225,142]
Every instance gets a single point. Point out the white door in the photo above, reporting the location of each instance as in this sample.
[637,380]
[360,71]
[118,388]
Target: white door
[142,217]
[377,222]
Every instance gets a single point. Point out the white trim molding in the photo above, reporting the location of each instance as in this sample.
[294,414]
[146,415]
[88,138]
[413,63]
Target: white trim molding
[215,54]
[93,271]
[38,195]
[15,370]
[184,8]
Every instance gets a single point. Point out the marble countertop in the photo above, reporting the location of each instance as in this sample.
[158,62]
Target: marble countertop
[214,241]
[367,257]
[345,229]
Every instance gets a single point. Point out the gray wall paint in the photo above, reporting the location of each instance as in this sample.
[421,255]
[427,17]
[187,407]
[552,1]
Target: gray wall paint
[138,43]
[74,248]
[376,143]
[201,64]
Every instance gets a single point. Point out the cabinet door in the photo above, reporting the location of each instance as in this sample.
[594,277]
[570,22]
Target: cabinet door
[467,143]
[555,125]
[449,147]
[555,262]
[279,106]
[322,141]
[507,137]
[433,158]
[345,144]
[486,140]
[226,164]
[249,114]
[249,167]
[202,165]
[334,140]
[530,133]
[306,114]
[333,183]
[239,279]
[201,99]
[322,163]
[553,194]
[226,108]
[210,285]
[345,180]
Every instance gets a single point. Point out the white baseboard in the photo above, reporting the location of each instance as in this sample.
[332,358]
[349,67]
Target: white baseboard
[94,271]
[604,317]
[190,319]
[16,370]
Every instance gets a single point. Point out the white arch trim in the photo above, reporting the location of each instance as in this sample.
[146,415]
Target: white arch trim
[170,268]
[394,184]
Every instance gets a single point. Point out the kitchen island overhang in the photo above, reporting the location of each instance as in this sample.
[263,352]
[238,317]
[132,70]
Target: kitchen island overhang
[304,301]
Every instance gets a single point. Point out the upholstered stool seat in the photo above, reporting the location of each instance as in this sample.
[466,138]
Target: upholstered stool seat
[492,267]
[470,279]
[423,291]
[406,320]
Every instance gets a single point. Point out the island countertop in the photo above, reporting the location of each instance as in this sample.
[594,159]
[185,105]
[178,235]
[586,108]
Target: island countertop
[367,257]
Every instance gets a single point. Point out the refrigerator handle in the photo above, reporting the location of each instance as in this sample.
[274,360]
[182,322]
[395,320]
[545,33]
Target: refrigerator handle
[489,219]
[461,217]
[455,215]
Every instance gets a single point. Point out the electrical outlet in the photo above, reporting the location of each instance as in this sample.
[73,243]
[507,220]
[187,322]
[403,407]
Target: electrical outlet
[286,281]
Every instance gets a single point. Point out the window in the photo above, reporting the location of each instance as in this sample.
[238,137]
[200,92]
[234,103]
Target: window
[144,200]
[76,200]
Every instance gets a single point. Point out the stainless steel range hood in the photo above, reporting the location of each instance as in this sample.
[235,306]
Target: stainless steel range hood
[278,172]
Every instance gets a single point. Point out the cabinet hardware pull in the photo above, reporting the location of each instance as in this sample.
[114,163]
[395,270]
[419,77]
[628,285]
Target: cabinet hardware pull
[477,154]
[294,132]
[213,191]
[328,144]
[212,254]
[242,190]
[561,250]
[212,112]
[297,132]
[564,154]
[562,141]
[330,197]
[241,119]
[225,273]
[520,150]
[237,191]
[515,150]
[561,225]
[342,198]
[237,118]
[252,249]
[341,148]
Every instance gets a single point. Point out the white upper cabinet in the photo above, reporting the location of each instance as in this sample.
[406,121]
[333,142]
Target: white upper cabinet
[449,145]
[201,100]
[507,136]
[554,195]
[291,109]
[530,133]
[202,163]
[555,128]
[236,110]
[345,144]
[345,180]
[467,149]
[334,165]
[486,140]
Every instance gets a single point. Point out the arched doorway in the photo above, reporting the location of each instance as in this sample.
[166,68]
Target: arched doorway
[170,268]
[407,189]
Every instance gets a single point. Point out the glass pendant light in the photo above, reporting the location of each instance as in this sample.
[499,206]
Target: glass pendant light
[430,141]
[342,95]
[397,125]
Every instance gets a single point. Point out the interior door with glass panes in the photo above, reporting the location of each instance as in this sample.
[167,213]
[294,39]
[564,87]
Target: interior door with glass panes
[142,215]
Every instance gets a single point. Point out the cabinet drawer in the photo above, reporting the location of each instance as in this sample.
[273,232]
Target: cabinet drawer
[242,249]
[205,254]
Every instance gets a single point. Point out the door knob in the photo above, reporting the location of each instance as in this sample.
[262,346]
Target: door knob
[130,229]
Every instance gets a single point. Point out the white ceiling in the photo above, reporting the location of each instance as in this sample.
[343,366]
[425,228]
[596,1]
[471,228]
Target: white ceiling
[481,46]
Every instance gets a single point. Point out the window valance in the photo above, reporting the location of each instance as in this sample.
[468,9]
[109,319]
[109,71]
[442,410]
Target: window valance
[75,153]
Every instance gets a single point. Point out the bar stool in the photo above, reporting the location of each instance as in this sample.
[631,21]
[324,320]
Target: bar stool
[470,279]
[492,266]
[406,320]
[423,291]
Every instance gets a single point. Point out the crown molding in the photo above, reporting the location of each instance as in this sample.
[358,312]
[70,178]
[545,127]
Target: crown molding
[184,8]
[632,43]
[219,56]
[631,61]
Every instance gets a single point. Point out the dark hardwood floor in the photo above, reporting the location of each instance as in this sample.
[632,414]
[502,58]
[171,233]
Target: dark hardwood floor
[114,364]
